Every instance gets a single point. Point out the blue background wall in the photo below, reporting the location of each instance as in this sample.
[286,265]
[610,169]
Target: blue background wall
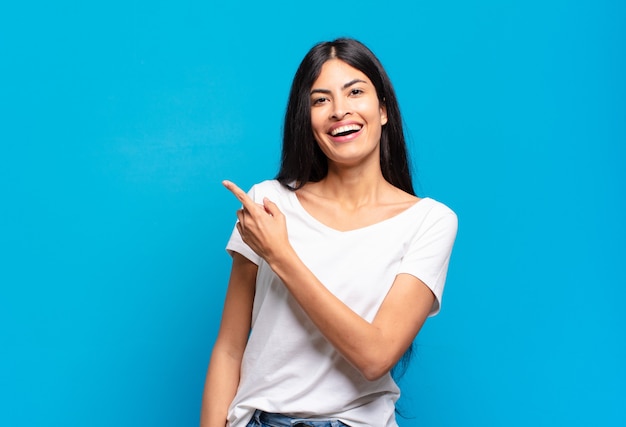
[119,120]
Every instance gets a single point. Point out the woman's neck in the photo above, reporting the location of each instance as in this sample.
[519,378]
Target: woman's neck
[352,187]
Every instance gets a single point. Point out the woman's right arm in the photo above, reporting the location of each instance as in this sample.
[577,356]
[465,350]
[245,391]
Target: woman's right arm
[222,377]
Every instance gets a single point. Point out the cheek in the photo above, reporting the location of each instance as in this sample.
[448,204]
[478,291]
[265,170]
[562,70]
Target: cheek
[371,108]
[317,129]
[317,121]
[315,116]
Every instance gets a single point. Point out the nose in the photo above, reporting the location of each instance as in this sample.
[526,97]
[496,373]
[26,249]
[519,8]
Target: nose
[341,108]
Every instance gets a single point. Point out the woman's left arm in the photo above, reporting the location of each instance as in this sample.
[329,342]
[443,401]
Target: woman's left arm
[373,348]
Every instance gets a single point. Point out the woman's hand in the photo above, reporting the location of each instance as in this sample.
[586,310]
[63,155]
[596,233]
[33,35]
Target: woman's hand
[262,227]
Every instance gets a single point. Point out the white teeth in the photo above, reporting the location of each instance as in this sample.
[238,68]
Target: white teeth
[346,128]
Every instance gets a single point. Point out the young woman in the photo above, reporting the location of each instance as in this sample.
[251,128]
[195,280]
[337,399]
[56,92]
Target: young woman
[336,263]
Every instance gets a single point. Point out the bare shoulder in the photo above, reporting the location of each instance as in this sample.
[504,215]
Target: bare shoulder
[394,201]
[398,196]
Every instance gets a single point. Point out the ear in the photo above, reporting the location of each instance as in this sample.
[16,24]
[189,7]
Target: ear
[383,115]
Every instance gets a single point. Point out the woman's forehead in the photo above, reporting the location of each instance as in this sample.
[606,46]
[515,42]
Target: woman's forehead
[338,72]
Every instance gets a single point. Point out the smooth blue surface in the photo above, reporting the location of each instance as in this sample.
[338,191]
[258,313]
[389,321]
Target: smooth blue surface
[118,122]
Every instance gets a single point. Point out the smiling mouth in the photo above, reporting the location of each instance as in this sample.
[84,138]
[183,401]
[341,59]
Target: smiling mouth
[345,130]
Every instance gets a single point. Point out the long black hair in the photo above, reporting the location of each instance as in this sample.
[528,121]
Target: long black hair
[302,160]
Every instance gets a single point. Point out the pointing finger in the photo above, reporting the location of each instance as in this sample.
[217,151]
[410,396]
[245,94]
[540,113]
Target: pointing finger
[241,195]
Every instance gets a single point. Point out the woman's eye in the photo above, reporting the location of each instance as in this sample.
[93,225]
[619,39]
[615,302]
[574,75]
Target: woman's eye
[356,92]
[318,101]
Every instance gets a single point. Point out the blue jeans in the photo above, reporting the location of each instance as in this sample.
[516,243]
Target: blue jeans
[265,419]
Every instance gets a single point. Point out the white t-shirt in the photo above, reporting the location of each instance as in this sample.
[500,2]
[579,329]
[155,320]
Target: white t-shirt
[288,366]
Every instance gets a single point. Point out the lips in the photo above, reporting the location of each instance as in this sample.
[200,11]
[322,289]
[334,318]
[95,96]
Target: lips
[345,129]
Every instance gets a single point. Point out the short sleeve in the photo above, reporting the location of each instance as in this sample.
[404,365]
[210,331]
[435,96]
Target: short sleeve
[428,254]
[236,244]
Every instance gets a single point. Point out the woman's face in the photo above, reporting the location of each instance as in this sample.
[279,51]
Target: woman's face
[346,116]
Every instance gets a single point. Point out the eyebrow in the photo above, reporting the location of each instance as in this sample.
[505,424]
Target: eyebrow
[345,86]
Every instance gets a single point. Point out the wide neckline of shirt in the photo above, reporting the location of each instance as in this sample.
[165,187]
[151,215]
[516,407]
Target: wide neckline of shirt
[296,203]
